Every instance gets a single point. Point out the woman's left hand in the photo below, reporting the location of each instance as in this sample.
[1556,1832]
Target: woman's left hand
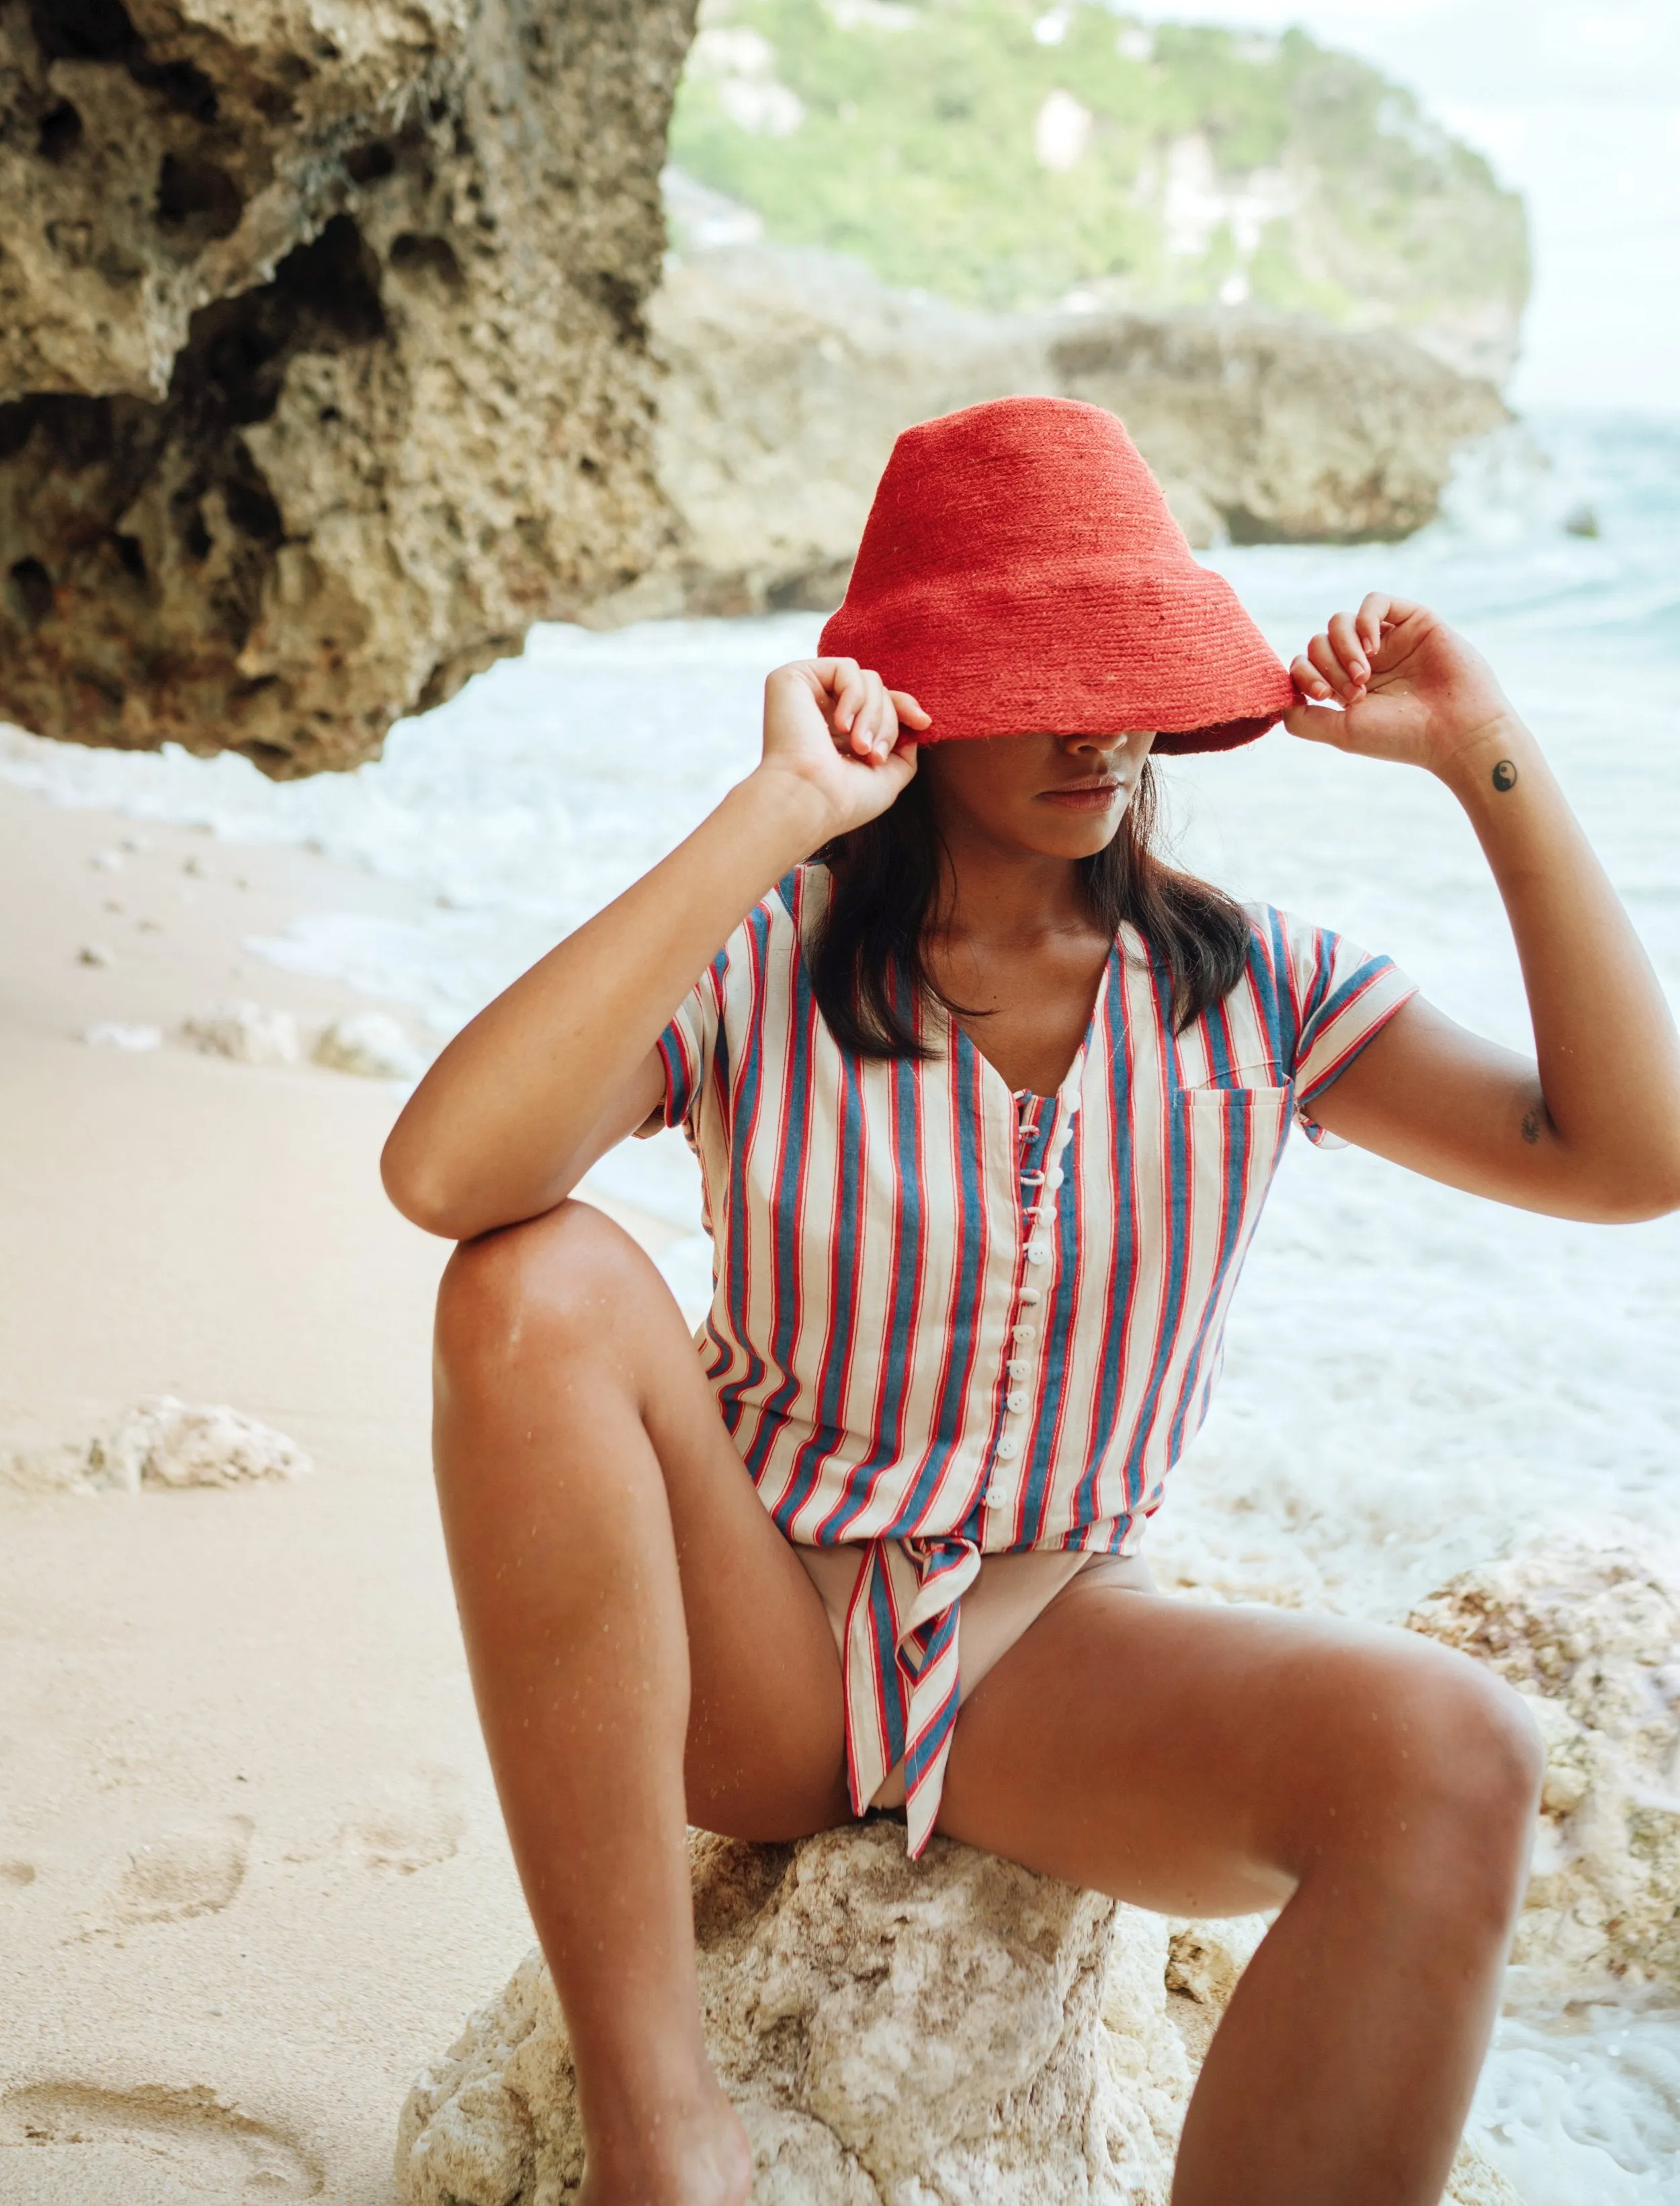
[1409,688]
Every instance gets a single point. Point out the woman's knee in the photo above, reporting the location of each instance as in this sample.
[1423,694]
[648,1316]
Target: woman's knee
[554,1282]
[1450,1765]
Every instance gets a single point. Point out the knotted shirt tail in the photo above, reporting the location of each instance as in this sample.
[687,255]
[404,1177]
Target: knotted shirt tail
[903,1680]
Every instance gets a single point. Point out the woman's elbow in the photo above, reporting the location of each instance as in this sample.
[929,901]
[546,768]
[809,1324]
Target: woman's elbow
[414,1186]
[1636,1191]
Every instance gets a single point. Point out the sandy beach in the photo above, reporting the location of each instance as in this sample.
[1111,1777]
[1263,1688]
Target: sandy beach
[251,1870]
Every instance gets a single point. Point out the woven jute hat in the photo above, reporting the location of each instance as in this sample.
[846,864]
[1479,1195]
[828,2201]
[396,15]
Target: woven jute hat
[1020,573]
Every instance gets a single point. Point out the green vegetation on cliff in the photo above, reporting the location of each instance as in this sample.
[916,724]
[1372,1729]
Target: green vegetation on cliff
[1005,153]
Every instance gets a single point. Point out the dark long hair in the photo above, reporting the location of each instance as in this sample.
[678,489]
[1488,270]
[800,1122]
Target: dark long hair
[867,967]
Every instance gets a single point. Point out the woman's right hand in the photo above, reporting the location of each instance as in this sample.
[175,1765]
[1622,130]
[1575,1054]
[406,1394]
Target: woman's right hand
[835,726]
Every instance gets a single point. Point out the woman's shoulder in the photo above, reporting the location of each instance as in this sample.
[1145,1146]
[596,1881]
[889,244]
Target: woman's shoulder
[768,941]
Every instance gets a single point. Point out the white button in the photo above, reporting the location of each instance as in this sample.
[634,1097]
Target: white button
[1056,1175]
[1017,1400]
[1023,1333]
[1029,1296]
[1018,1366]
[1008,1451]
[996,1496]
[1037,1251]
[1073,1106]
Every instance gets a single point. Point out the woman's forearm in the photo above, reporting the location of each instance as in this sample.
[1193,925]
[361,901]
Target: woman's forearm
[1605,1041]
[519,1106]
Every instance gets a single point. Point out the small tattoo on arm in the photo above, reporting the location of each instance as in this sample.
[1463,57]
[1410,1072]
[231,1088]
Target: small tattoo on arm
[1504,775]
[1531,1125]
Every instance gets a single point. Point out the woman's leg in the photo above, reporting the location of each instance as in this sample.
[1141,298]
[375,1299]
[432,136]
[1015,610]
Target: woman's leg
[646,1649]
[1207,1761]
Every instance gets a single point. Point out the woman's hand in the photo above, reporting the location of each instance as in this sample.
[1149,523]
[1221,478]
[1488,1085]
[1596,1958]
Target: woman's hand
[835,727]
[1409,688]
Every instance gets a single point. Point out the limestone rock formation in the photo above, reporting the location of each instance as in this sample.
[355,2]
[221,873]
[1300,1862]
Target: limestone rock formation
[1011,155]
[1590,1633]
[1292,434]
[951,2032]
[321,354]
[790,375]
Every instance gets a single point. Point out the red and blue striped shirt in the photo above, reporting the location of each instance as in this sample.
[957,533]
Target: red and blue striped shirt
[949,1320]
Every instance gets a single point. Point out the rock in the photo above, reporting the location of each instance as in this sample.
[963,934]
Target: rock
[788,375]
[791,373]
[247,1033]
[1293,434]
[321,331]
[371,1043]
[164,1442]
[1589,1632]
[955,2032]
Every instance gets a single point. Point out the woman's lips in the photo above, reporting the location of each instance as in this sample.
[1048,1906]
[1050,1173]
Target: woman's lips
[1084,796]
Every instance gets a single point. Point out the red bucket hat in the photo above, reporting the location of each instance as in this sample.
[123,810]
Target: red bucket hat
[1020,572]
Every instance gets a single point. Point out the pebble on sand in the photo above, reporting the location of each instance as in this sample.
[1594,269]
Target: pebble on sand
[371,1044]
[249,1034]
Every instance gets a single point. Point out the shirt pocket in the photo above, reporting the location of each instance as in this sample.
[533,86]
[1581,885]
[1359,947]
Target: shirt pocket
[1232,1136]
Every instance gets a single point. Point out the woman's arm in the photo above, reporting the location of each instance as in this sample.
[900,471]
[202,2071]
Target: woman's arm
[562,1065]
[1592,1129]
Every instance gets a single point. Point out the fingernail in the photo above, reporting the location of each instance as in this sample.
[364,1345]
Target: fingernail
[1359,669]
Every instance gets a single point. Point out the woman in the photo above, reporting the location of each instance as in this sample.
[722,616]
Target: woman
[987,1101]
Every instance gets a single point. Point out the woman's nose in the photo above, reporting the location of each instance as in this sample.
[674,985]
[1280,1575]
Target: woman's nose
[1097,746]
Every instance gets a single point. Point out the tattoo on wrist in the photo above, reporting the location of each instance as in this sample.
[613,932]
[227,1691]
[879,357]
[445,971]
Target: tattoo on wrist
[1504,775]
[1531,1125]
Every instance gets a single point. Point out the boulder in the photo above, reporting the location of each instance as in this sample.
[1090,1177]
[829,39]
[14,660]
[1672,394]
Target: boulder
[321,354]
[788,374]
[1588,1630]
[951,2032]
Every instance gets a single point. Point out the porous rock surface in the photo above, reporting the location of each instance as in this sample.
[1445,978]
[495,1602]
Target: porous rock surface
[322,367]
[1588,1631]
[163,1442]
[789,374]
[951,2032]
[160,1442]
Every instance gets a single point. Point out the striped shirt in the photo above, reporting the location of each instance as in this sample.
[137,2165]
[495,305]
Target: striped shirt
[949,1320]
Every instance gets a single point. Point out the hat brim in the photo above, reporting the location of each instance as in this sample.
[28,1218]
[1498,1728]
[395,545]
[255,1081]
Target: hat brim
[1101,649]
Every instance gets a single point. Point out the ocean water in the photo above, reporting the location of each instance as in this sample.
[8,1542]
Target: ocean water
[1413,1379]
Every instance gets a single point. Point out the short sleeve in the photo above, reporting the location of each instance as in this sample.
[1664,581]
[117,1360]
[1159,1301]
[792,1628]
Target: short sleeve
[1334,999]
[689,1045]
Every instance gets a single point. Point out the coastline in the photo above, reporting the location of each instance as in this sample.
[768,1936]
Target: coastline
[264,1688]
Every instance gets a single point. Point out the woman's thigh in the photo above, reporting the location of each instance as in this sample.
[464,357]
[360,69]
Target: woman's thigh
[562,1357]
[1201,1760]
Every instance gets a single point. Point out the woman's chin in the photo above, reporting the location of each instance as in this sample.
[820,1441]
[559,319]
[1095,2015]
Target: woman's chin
[1055,834]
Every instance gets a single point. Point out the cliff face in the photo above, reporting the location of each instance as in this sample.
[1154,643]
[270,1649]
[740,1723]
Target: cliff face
[790,375]
[1007,153]
[322,365]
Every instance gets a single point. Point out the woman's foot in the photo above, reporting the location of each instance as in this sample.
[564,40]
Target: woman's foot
[704,2161]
